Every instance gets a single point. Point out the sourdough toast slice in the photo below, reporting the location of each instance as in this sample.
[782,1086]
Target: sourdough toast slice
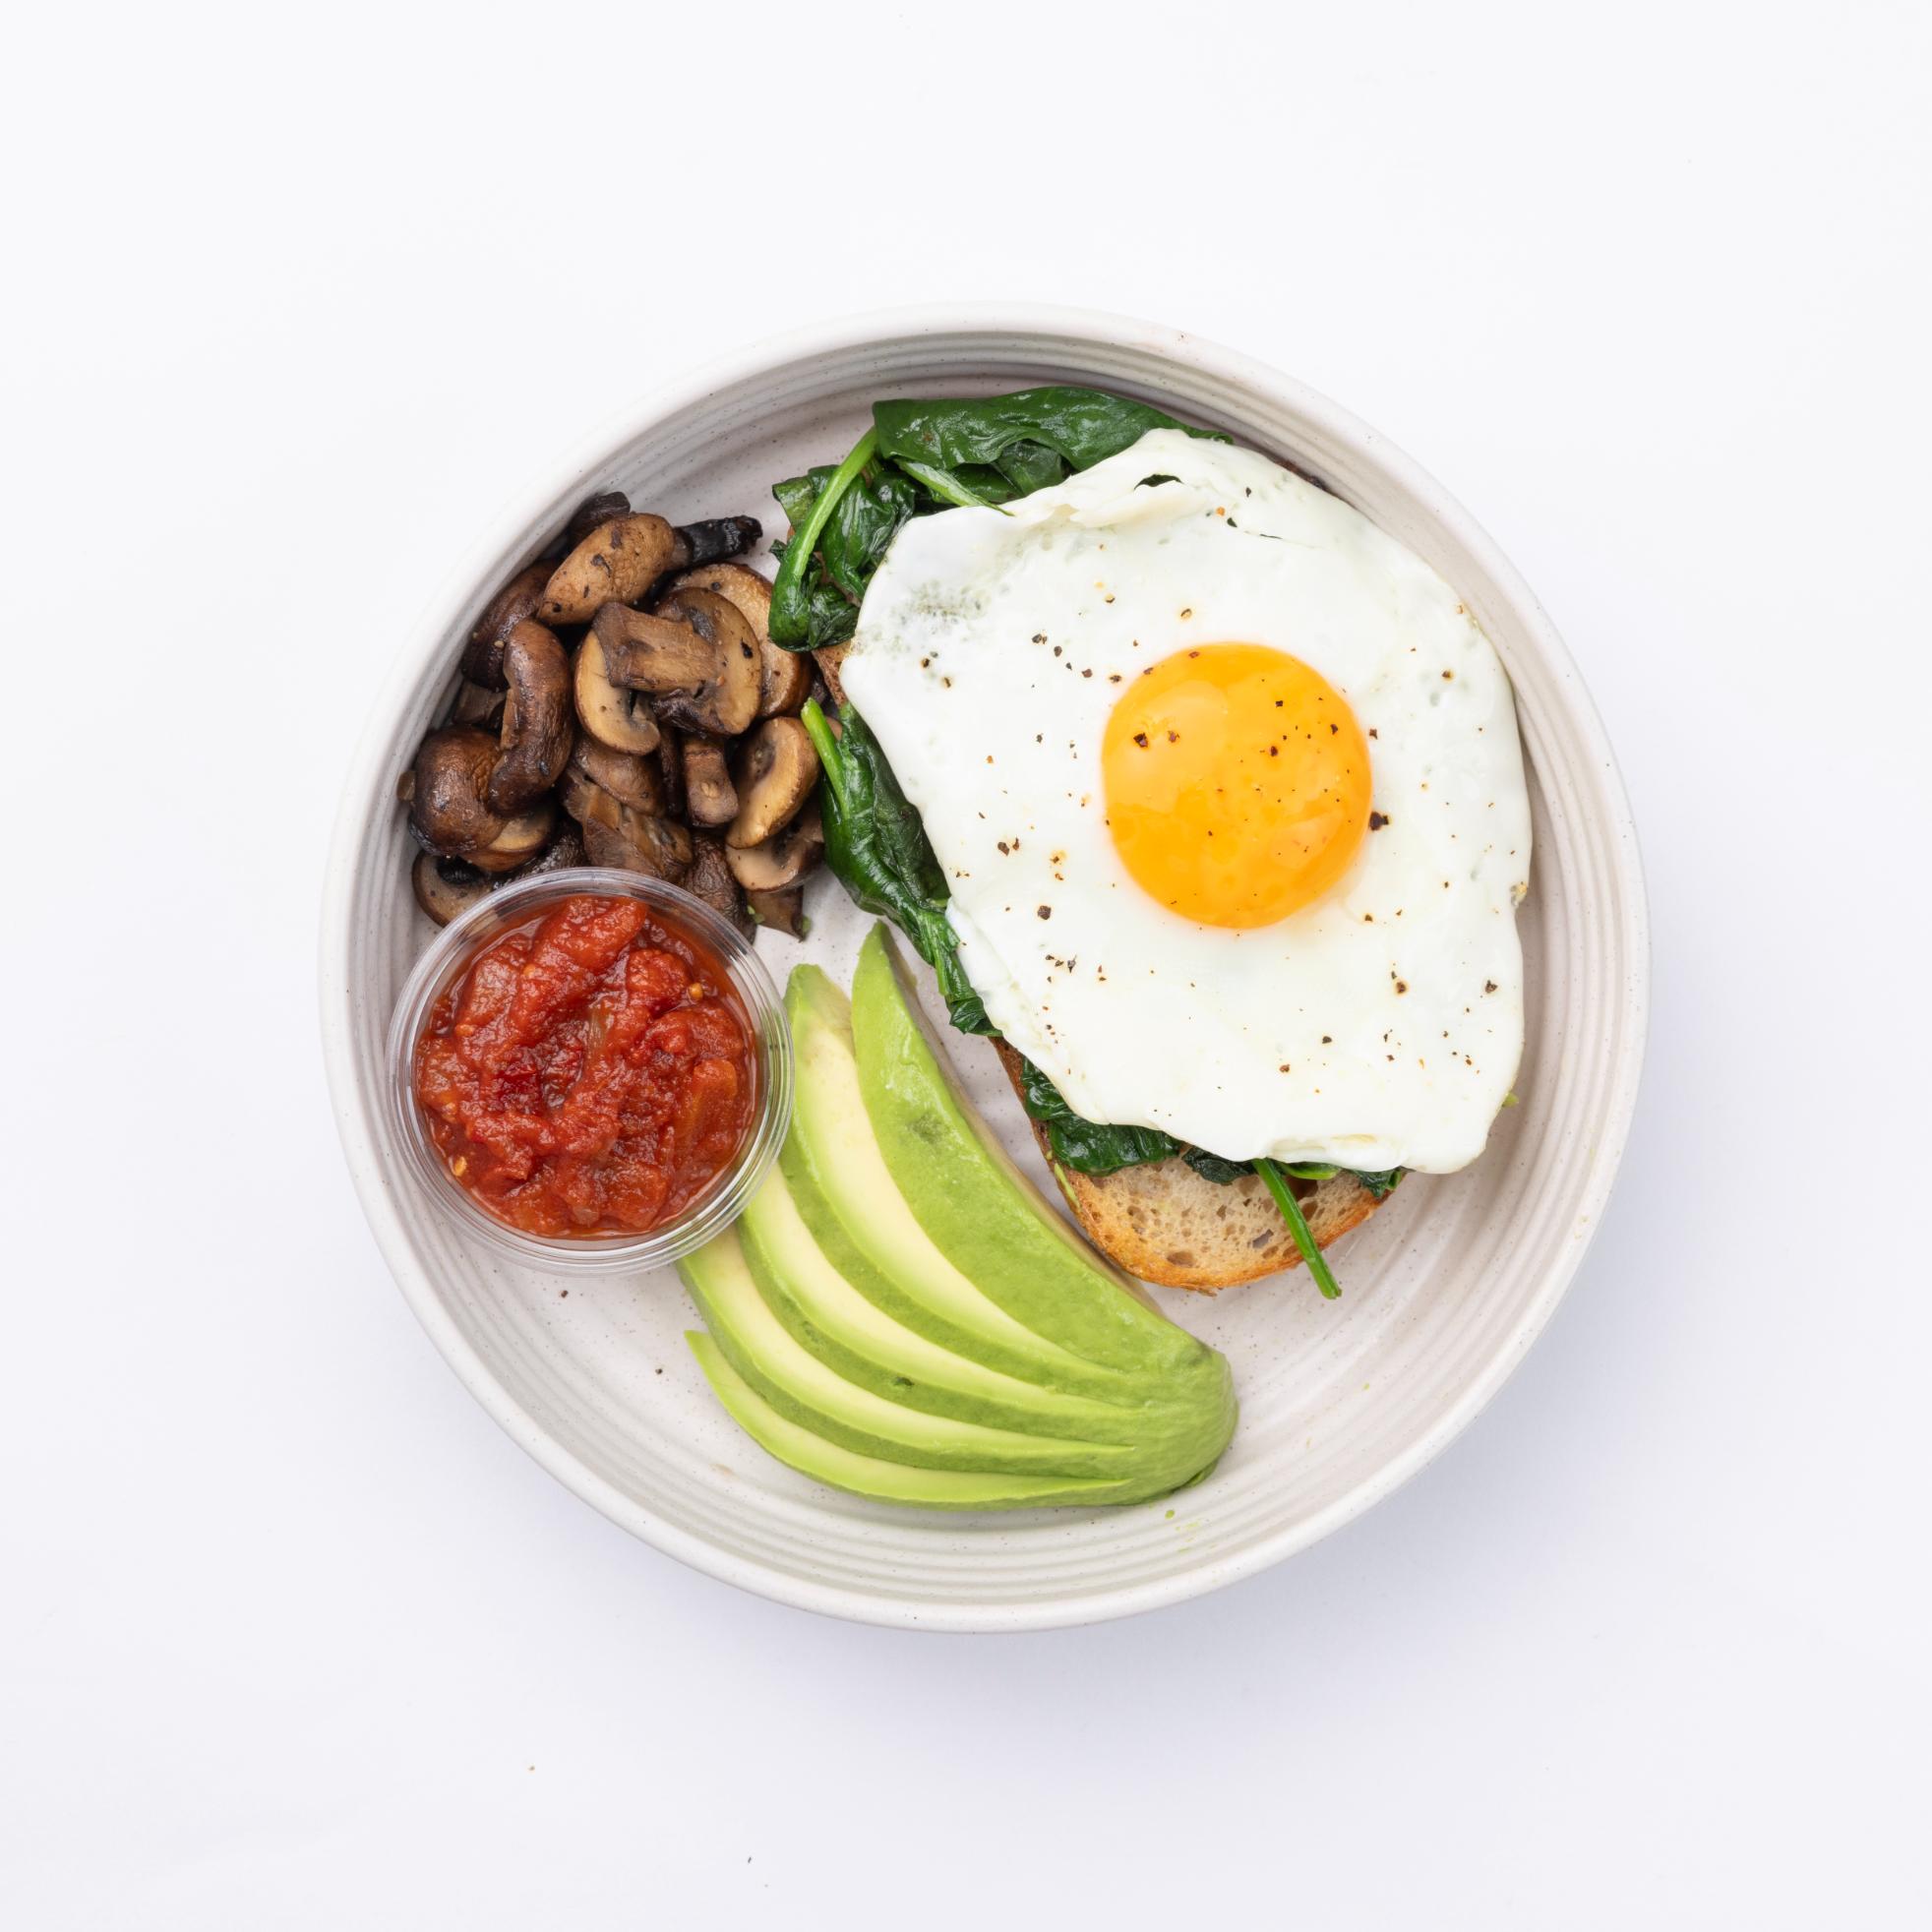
[1168,1225]
[1164,1222]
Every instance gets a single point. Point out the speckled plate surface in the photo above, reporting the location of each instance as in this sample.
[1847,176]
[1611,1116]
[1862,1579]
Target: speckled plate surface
[1446,1287]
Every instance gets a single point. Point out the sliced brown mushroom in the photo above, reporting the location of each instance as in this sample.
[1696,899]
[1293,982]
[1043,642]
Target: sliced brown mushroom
[538,726]
[593,514]
[482,661]
[447,888]
[448,786]
[784,675]
[477,705]
[619,834]
[565,851]
[584,798]
[671,769]
[776,769]
[696,657]
[521,839]
[621,719]
[638,842]
[783,910]
[782,860]
[620,561]
[709,796]
[710,880]
[629,778]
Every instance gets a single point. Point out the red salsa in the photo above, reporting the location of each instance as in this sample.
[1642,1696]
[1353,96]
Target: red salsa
[590,1073]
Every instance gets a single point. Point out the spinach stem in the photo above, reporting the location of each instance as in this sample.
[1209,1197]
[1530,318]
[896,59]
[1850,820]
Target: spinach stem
[788,625]
[1297,1225]
[945,485]
[818,727]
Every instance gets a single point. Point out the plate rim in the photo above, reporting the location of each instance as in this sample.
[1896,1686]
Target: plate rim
[380,1200]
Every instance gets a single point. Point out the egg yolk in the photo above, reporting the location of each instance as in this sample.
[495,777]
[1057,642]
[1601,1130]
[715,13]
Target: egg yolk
[1237,783]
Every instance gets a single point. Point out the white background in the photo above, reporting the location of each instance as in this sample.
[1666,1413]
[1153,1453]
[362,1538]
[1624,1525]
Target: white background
[290,1634]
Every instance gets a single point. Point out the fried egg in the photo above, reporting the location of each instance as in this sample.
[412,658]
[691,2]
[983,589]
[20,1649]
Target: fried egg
[1228,791]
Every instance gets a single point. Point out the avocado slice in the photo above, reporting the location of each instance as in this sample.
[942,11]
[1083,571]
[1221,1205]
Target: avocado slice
[807,1392]
[866,1476]
[858,1340]
[975,1204]
[846,1196]
[899,1312]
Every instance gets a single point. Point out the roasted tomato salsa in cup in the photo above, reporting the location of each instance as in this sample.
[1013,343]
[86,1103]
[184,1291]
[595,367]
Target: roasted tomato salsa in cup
[590,1073]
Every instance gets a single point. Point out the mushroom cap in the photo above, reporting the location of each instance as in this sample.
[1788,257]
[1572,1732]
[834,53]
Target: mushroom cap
[697,656]
[778,768]
[538,729]
[784,677]
[449,804]
[710,880]
[783,859]
[617,563]
[521,839]
[710,799]
[482,661]
[618,718]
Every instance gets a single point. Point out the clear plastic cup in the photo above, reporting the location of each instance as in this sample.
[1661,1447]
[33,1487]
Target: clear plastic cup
[713,1210]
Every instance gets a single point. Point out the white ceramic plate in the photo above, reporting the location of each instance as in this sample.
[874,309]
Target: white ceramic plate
[1445,1289]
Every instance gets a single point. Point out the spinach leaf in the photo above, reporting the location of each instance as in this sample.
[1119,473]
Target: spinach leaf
[803,571]
[843,520]
[922,456]
[1033,437]
[1379,1182]
[1084,1145]
[1211,1166]
[878,850]
[959,490]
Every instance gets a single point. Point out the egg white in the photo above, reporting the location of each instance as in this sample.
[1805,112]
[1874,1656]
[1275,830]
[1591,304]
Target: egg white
[1379,1027]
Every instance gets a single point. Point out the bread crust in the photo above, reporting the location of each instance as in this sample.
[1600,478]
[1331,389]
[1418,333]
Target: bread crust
[1171,1226]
